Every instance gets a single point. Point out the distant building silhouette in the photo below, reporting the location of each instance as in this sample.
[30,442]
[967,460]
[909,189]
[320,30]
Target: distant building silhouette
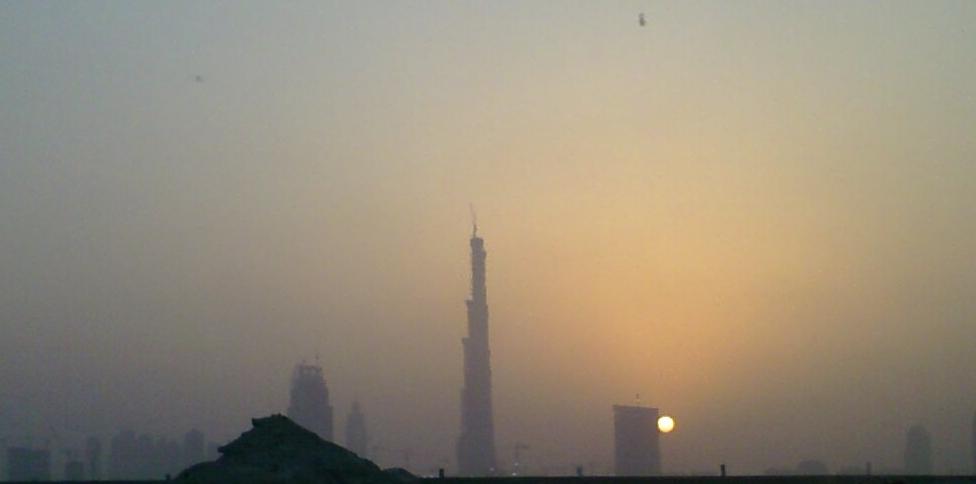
[812,467]
[142,457]
[93,458]
[122,455]
[213,451]
[167,457]
[778,471]
[309,405]
[476,445]
[25,464]
[74,470]
[637,448]
[357,440]
[918,451]
[193,448]
[852,470]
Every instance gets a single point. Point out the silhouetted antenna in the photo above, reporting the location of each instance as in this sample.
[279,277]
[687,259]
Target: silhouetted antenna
[474,220]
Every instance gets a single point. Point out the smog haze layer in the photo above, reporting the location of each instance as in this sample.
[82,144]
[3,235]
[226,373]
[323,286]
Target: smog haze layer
[757,215]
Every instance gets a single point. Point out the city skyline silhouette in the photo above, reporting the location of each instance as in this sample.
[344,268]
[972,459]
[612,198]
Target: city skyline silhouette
[757,215]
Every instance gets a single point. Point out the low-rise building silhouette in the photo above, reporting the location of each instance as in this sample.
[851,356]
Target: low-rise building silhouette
[193,448]
[812,467]
[973,448]
[918,451]
[74,470]
[93,458]
[25,464]
[143,456]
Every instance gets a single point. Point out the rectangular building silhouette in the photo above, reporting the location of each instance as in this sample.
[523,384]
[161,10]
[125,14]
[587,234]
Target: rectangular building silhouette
[637,448]
[28,464]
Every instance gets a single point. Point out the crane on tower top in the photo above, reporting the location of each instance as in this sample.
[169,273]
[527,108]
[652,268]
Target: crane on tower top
[474,220]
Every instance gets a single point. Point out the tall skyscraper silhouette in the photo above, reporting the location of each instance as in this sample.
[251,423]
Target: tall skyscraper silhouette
[476,445]
[309,406]
[636,442]
[356,438]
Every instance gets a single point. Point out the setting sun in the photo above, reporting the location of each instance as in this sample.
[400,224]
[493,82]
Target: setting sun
[665,424]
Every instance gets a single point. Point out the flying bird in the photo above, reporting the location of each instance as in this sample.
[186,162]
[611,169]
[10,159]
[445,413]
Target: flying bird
[198,78]
[641,20]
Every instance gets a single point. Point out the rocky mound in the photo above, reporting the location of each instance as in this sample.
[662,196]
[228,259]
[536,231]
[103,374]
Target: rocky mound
[279,450]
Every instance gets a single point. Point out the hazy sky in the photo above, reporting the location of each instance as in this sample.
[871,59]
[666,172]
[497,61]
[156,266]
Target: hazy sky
[759,215]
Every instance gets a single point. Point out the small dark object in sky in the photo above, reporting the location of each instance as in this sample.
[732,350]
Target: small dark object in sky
[641,20]
[198,78]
